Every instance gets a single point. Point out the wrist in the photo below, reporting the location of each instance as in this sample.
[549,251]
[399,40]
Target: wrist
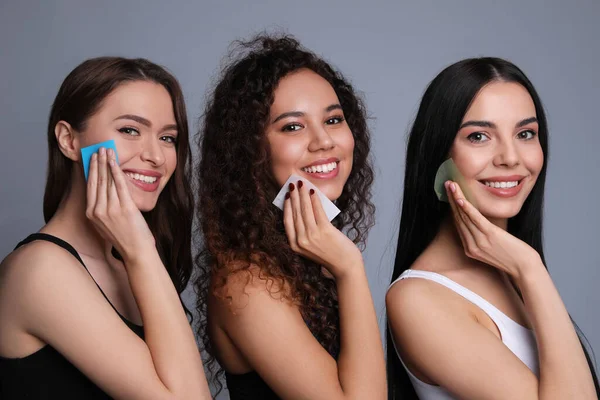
[529,269]
[349,268]
[146,256]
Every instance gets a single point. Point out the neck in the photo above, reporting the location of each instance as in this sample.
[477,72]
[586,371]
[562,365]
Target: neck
[71,223]
[501,223]
[449,240]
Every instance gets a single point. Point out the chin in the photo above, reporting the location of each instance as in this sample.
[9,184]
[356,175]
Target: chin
[500,211]
[145,205]
[331,193]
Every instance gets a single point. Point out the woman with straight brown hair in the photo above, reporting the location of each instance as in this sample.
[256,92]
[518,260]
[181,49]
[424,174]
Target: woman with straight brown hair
[90,306]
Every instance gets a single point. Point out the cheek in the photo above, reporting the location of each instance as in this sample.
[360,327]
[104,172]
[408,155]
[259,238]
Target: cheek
[171,162]
[346,143]
[469,163]
[126,150]
[286,157]
[534,160]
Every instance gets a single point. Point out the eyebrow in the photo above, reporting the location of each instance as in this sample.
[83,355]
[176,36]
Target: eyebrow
[488,124]
[330,108]
[144,121]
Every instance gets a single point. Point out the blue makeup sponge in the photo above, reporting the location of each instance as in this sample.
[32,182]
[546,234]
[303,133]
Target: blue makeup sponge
[86,154]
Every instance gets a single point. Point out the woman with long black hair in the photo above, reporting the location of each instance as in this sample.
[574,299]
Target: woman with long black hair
[472,311]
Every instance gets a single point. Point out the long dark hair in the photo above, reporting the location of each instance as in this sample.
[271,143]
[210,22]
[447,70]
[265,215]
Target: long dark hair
[440,114]
[79,97]
[240,226]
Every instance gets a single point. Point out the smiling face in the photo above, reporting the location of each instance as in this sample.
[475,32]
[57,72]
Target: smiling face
[139,117]
[308,134]
[497,149]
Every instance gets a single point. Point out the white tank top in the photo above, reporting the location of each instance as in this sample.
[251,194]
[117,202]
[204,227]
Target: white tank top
[520,340]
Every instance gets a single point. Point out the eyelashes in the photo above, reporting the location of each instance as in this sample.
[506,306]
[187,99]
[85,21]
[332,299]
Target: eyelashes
[296,126]
[527,134]
[478,137]
[481,137]
[169,139]
[129,131]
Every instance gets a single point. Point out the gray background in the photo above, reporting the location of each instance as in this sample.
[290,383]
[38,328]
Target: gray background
[389,49]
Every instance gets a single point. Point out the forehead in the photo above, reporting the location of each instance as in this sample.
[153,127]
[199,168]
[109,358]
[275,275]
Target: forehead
[501,101]
[303,90]
[146,99]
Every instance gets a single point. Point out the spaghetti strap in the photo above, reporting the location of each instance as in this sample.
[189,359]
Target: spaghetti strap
[61,243]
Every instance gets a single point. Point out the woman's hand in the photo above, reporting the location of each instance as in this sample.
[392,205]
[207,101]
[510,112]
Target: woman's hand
[485,241]
[312,235]
[112,210]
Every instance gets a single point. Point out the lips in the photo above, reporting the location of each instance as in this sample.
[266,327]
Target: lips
[323,168]
[504,186]
[146,180]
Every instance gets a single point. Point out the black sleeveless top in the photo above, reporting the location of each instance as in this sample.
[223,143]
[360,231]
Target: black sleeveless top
[46,374]
[248,386]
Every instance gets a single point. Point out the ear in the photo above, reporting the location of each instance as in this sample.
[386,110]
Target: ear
[68,142]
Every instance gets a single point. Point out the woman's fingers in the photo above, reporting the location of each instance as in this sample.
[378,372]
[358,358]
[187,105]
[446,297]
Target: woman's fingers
[464,232]
[318,210]
[306,208]
[288,222]
[120,181]
[102,185]
[92,185]
[297,212]
[467,209]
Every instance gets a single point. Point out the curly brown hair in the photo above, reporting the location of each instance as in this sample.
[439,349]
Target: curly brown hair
[240,226]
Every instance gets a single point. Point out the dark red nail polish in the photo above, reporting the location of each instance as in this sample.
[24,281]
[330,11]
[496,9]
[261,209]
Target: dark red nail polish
[300,183]
[287,195]
[291,186]
[311,191]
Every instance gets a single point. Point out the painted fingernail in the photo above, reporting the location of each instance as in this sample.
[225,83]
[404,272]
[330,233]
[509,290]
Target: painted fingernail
[453,187]
[291,186]
[110,152]
[94,157]
[446,184]
[311,191]
[102,151]
[287,195]
[300,183]
[460,202]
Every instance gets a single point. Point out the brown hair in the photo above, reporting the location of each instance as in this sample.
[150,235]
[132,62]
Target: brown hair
[79,97]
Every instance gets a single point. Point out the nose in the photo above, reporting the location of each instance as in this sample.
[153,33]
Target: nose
[153,152]
[321,139]
[507,155]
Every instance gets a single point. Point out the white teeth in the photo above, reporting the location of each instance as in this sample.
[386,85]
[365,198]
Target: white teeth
[502,185]
[323,168]
[143,178]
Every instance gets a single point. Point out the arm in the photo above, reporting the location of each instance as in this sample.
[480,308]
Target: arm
[564,372]
[445,345]
[274,339]
[48,295]
[169,359]
[360,370]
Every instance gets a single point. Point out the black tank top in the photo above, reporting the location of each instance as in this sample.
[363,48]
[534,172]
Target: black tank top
[248,386]
[46,374]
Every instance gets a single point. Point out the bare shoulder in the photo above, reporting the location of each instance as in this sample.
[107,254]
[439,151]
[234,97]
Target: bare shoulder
[37,261]
[35,273]
[245,288]
[415,302]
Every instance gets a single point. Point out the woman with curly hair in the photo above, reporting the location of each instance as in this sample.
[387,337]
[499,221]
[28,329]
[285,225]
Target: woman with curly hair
[285,301]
